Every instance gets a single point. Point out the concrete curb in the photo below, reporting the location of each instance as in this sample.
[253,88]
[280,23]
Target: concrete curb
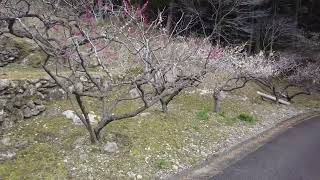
[215,164]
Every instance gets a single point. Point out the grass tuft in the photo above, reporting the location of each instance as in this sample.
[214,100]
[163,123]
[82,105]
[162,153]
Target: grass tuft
[247,117]
[203,115]
[163,164]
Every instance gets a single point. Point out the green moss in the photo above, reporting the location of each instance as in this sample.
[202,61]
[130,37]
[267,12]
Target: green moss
[39,161]
[163,164]
[135,71]
[18,72]
[25,47]
[36,59]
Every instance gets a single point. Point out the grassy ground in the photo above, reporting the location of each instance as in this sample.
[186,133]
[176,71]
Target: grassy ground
[17,71]
[150,146]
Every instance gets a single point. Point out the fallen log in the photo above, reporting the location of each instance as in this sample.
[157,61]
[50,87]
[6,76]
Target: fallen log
[273,98]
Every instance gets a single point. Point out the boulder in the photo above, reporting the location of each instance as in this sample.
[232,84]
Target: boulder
[31,109]
[134,93]
[110,147]
[8,56]
[72,115]
[4,84]
[34,59]
[69,114]
[56,93]
[4,156]
[6,141]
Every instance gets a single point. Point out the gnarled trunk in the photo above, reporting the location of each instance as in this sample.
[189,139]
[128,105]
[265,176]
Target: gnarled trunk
[217,101]
[164,105]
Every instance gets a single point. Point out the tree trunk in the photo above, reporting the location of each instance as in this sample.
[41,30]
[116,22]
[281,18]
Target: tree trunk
[85,119]
[164,105]
[298,6]
[276,94]
[217,101]
[102,124]
[170,16]
[93,136]
[258,39]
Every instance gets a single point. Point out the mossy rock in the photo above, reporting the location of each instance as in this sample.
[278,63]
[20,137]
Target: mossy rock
[28,51]
[135,71]
[34,60]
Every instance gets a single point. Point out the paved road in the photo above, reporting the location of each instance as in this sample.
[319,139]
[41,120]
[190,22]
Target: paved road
[294,155]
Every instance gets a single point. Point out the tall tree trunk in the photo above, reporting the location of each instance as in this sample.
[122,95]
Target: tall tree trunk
[217,101]
[257,34]
[170,16]
[298,6]
[251,40]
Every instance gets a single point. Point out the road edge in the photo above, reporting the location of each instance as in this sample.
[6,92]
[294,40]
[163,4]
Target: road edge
[215,164]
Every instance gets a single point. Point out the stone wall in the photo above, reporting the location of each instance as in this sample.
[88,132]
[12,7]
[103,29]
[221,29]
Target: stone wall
[23,99]
[7,54]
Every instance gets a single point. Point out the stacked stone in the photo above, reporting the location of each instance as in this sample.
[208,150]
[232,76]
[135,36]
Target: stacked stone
[23,99]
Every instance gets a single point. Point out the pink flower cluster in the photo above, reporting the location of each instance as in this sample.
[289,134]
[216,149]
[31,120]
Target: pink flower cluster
[216,53]
[140,12]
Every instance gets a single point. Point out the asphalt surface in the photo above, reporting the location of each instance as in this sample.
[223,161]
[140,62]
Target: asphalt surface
[293,155]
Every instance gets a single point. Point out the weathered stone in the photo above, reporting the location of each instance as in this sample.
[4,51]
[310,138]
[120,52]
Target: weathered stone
[18,100]
[40,95]
[75,119]
[33,59]
[131,175]
[56,93]
[134,93]
[15,99]
[16,115]
[27,112]
[145,114]
[110,147]
[71,115]
[83,78]
[8,55]
[38,85]
[4,156]
[31,104]
[3,103]
[4,84]
[33,111]
[37,102]
[40,108]
[97,78]
[6,141]
[92,117]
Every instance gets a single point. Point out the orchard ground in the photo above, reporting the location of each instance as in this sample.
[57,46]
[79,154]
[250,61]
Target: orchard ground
[151,145]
